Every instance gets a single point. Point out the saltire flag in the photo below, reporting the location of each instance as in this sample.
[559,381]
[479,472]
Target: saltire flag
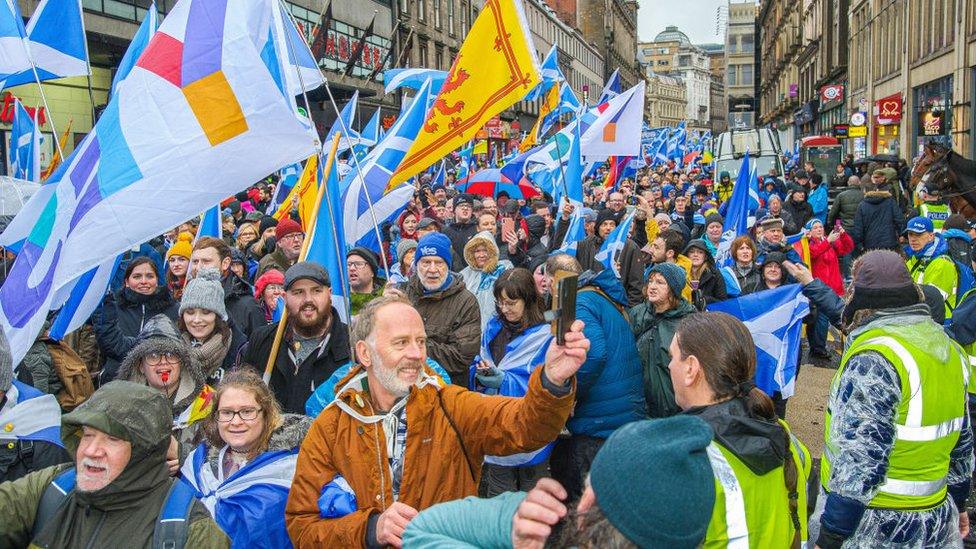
[359,189]
[265,479]
[30,416]
[86,295]
[210,224]
[614,244]
[464,162]
[328,244]
[56,43]
[439,176]
[413,79]
[343,125]
[189,126]
[736,214]
[302,72]
[25,144]
[658,150]
[774,318]
[617,129]
[369,136]
[14,56]
[137,45]
[305,191]
[574,233]
[676,142]
[495,67]
[287,178]
[551,75]
[611,89]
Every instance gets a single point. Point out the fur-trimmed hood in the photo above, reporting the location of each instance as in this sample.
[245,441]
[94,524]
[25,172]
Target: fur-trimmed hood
[160,336]
[288,436]
[483,238]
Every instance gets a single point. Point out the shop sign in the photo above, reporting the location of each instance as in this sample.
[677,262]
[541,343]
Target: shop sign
[840,131]
[857,131]
[931,123]
[831,94]
[889,110]
[858,119]
[794,90]
[339,47]
[7,114]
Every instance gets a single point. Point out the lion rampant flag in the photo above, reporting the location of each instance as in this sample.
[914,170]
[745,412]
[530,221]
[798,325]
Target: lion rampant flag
[200,408]
[494,69]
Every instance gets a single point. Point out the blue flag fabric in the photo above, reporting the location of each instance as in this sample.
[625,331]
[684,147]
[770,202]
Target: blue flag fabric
[56,37]
[413,79]
[328,247]
[611,89]
[287,177]
[25,145]
[13,44]
[774,317]
[137,46]
[574,233]
[736,215]
[210,224]
[614,244]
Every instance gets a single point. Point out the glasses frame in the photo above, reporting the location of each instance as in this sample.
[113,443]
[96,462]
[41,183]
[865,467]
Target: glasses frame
[238,413]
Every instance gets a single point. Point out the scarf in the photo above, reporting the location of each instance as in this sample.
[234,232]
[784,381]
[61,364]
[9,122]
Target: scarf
[930,251]
[210,354]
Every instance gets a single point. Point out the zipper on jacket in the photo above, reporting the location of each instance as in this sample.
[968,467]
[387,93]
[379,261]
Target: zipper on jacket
[379,460]
[98,527]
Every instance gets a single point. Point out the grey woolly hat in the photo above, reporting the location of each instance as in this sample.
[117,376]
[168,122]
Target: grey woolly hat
[204,291]
[6,364]
[405,246]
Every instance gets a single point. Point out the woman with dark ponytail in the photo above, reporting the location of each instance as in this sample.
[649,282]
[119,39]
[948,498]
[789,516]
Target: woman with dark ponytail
[760,467]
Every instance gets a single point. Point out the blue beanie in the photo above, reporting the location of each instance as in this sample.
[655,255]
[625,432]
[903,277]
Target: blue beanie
[673,274]
[809,224]
[680,478]
[433,244]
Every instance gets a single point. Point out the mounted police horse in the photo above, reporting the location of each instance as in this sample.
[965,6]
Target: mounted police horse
[942,173]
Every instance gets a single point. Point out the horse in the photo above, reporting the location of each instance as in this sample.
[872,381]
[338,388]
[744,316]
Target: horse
[944,174]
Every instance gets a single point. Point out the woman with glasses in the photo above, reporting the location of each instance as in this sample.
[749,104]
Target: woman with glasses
[243,470]
[123,314]
[163,361]
[513,345]
[267,289]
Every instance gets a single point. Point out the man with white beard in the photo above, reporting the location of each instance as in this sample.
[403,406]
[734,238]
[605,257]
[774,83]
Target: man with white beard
[397,439]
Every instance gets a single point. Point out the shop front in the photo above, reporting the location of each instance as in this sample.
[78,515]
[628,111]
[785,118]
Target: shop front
[832,112]
[933,114]
[887,123]
[857,133]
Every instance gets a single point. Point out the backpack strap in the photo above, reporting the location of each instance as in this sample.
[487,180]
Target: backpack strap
[173,526]
[620,308]
[52,499]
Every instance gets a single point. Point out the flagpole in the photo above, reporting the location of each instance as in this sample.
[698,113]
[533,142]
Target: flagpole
[50,115]
[280,331]
[91,93]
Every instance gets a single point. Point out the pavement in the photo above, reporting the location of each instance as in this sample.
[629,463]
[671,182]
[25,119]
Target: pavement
[805,410]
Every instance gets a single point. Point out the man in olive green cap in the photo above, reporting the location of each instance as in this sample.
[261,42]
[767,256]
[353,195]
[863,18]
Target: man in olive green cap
[119,440]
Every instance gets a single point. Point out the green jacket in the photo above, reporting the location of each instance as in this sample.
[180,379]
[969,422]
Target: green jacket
[845,208]
[654,333]
[18,505]
[940,272]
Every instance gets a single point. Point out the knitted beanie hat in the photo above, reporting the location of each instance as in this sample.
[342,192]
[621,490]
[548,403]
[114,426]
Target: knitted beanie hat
[183,246]
[204,291]
[681,480]
[368,256]
[433,244]
[673,274]
[286,227]
[6,364]
[266,223]
[881,281]
[405,246]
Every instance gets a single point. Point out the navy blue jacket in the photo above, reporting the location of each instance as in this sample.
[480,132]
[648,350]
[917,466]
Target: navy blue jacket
[609,385]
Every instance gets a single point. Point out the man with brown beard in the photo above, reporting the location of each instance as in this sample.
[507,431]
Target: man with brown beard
[315,344]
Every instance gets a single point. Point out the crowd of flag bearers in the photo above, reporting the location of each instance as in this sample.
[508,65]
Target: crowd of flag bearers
[359,349]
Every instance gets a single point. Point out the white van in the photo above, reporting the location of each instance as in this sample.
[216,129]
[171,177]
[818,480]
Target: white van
[763,147]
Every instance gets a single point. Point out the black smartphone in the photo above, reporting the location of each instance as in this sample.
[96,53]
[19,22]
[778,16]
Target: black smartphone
[565,285]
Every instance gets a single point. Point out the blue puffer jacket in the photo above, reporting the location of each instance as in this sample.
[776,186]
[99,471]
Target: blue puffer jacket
[609,385]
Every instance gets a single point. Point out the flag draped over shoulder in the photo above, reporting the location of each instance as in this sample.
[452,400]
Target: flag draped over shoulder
[189,126]
[495,67]
[775,318]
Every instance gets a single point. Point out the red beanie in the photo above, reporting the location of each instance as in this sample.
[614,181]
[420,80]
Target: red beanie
[273,276]
[286,227]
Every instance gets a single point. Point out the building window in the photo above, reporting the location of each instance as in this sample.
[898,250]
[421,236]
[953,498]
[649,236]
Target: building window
[422,9]
[423,54]
[439,58]
[450,16]
[747,43]
[731,75]
[746,79]
[405,7]
[437,14]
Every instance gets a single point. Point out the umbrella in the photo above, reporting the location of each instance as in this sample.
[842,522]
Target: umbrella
[491,181]
[884,158]
[14,193]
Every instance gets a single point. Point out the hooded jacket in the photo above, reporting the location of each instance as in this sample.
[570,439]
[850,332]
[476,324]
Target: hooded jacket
[609,385]
[801,211]
[452,319]
[654,332]
[128,507]
[120,318]
[481,282]
[535,230]
[459,234]
[711,284]
[449,432]
[878,222]
[825,260]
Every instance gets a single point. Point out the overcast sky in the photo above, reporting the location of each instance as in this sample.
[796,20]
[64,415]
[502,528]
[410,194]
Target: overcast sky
[696,18]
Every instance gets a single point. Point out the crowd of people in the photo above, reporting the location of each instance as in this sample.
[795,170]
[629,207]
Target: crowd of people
[233,402]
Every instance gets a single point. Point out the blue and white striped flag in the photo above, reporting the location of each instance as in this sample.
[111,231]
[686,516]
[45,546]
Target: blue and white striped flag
[137,46]
[259,489]
[25,145]
[14,56]
[413,79]
[774,318]
[574,233]
[611,89]
[56,42]
[614,244]
[377,167]
[210,224]
[30,415]
[287,177]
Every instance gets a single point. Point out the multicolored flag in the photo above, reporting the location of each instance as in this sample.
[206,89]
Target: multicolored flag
[187,127]
[617,130]
[495,67]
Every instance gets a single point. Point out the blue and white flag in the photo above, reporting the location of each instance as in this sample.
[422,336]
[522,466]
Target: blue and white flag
[56,43]
[736,214]
[25,145]
[676,143]
[302,72]
[287,177]
[343,124]
[14,56]
[328,245]
[574,233]
[611,89]
[369,136]
[413,79]
[614,244]
[464,162]
[774,318]
[29,414]
[359,189]
[137,46]
[210,224]
[258,490]
[551,75]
